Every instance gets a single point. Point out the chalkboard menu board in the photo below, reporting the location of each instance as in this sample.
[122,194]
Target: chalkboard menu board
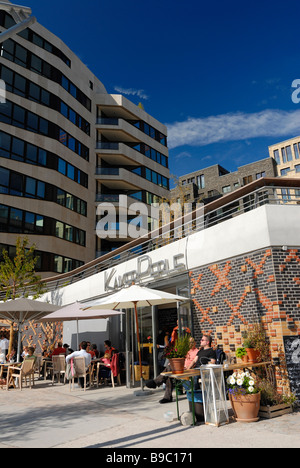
[292,355]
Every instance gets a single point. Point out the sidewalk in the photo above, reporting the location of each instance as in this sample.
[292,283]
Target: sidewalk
[54,417]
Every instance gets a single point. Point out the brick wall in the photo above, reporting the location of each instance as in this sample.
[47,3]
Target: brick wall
[263,286]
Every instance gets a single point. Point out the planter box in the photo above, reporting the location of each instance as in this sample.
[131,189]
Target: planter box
[270,412]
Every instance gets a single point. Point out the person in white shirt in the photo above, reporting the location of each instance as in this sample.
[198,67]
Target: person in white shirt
[4,344]
[81,353]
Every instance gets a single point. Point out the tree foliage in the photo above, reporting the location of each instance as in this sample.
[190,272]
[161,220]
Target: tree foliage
[17,275]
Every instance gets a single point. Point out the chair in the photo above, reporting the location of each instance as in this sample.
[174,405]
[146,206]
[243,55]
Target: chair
[80,371]
[58,367]
[20,373]
[38,364]
[112,372]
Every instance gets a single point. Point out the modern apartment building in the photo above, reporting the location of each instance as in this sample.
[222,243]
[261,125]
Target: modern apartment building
[287,156]
[66,145]
[213,182]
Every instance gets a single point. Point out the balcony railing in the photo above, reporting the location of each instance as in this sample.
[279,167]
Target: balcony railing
[265,191]
[107,171]
[107,121]
[111,198]
[107,145]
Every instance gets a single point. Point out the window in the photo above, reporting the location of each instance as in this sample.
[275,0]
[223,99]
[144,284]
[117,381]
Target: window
[200,181]
[283,154]
[289,153]
[296,150]
[285,171]
[226,189]
[259,175]
[247,180]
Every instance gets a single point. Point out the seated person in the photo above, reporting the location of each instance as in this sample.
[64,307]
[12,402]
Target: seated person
[190,357]
[30,354]
[206,355]
[81,353]
[89,350]
[12,357]
[59,350]
[95,350]
[106,359]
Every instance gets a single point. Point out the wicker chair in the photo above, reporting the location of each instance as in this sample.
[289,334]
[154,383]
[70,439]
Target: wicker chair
[20,373]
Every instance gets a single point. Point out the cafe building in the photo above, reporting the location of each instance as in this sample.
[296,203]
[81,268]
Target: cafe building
[237,262]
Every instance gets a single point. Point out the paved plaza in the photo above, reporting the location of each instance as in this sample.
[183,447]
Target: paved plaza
[54,417]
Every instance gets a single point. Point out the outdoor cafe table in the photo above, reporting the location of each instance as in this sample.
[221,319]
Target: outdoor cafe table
[191,373]
[186,375]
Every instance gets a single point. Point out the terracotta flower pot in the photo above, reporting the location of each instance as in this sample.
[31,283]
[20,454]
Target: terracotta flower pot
[177,365]
[253,355]
[245,407]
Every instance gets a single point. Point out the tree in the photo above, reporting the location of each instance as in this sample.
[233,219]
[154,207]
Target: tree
[18,277]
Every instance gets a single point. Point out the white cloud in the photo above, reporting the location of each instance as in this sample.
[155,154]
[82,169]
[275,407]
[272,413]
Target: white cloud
[233,127]
[132,92]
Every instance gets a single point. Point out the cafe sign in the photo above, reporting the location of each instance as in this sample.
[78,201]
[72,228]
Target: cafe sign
[145,269]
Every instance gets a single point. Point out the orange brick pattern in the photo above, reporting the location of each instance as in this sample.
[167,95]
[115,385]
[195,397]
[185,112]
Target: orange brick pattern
[263,286]
[41,334]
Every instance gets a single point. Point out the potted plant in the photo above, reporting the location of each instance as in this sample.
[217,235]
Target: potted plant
[176,353]
[256,343]
[241,353]
[273,404]
[244,396]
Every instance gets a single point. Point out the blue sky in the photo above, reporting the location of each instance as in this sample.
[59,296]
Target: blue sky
[218,74]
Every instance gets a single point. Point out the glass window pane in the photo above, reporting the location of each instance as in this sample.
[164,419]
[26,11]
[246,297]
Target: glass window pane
[63,137]
[20,85]
[61,197]
[29,222]
[21,55]
[62,166]
[5,141]
[34,92]
[64,109]
[41,189]
[15,221]
[42,157]
[4,177]
[18,115]
[32,121]
[30,186]
[69,233]
[18,147]
[31,153]
[16,184]
[71,172]
[59,230]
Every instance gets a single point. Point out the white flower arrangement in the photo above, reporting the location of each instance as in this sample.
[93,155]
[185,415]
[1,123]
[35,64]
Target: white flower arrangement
[241,383]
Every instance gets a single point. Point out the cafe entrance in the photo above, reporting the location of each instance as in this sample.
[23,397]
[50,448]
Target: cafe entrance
[155,322]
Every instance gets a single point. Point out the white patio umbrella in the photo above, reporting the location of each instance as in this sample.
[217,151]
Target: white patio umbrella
[135,296]
[22,310]
[75,311]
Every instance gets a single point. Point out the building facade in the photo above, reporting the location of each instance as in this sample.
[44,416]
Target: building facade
[287,156]
[66,145]
[215,181]
[239,270]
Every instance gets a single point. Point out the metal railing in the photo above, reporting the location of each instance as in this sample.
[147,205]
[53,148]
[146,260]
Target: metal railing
[271,191]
